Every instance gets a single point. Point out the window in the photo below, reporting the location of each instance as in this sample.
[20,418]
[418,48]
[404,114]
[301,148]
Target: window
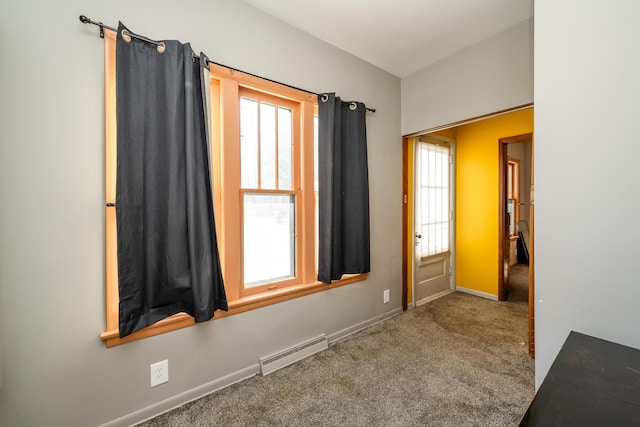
[268,148]
[263,157]
[433,198]
[513,195]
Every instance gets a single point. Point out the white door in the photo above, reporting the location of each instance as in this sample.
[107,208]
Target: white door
[433,185]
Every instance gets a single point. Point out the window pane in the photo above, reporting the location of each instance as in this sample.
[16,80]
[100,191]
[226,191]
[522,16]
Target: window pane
[267,146]
[435,238]
[433,198]
[249,142]
[511,211]
[510,180]
[315,152]
[269,238]
[285,132]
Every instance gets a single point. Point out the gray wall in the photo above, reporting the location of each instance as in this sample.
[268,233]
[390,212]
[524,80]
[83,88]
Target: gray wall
[55,369]
[586,150]
[492,75]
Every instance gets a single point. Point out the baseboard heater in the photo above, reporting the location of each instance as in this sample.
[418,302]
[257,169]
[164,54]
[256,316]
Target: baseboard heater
[293,354]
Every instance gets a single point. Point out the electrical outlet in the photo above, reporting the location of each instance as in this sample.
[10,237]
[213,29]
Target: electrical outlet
[159,373]
[385,296]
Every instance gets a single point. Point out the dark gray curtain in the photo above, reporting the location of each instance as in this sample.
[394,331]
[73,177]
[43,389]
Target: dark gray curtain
[168,259]
[343,211]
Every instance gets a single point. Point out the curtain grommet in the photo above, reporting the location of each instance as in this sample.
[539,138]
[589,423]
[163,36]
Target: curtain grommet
[353,106]
[126,36]
[161,47]
[324,97]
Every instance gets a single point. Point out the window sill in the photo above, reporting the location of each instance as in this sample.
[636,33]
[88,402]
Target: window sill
[182,320]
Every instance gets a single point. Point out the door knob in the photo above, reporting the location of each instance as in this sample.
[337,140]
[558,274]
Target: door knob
[418,236]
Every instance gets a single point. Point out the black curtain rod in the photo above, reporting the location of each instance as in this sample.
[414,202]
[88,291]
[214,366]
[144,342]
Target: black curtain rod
[102,26]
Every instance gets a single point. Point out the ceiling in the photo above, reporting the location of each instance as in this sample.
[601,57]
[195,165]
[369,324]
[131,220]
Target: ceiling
[399,36]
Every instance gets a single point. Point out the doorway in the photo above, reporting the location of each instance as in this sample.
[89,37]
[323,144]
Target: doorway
[515,278]
[433,217]
[476,217]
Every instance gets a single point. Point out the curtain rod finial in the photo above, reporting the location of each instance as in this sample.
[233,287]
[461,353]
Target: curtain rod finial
[84,19]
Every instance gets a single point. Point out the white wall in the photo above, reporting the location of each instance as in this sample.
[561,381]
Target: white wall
[492,75]
[587,88]
[56,371]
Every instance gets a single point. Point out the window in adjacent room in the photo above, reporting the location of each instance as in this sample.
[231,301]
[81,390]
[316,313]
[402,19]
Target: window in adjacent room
[513,195]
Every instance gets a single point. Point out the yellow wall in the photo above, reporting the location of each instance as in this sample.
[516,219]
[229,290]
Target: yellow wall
[477,197]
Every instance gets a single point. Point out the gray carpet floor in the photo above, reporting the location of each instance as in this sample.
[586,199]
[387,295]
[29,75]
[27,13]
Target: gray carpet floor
[460,360]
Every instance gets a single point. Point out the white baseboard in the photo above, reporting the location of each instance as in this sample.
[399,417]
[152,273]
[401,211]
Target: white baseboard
[336,336]
[293,354]
[434,297]
[195,393]
[180,399]
[477,293]
[410,305]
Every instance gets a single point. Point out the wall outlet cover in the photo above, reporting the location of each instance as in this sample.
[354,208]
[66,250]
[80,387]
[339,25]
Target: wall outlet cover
[159,373]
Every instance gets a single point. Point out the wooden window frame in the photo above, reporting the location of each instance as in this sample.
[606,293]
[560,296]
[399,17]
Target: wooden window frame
[225,137]
[301,204]
[513,191]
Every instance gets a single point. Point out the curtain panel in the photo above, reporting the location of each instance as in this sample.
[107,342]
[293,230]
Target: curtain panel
[343,211]
[168,260]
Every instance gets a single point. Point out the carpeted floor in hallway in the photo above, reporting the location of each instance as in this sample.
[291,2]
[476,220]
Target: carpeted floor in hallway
[458,361]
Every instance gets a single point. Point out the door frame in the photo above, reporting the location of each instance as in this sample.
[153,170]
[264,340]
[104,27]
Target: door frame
[502,155]
[408,211]
[405,207]
[405,221]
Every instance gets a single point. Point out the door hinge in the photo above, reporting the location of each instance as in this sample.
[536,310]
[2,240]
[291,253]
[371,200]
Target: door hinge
[450,270]
[450,159]
[532,195]
[405,198]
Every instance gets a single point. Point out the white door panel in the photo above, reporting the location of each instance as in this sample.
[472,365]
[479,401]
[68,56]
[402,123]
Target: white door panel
[433,218]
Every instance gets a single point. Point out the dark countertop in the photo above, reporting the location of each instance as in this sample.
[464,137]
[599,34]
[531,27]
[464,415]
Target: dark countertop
[592,382]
